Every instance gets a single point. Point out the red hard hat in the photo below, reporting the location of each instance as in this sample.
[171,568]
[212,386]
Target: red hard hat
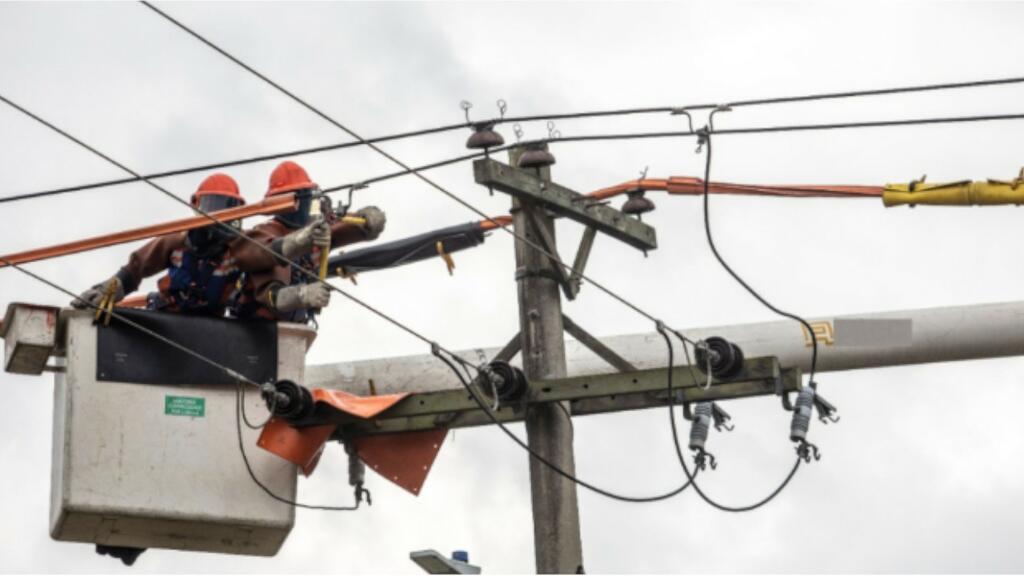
[287,177]
[218,184]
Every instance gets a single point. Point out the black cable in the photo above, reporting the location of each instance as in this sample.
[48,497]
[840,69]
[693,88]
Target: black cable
[226,164]
[475,156]
[859,93]
[688,134]
[872,124]
[754,293]
[534,454]
[504,120]
[554,257]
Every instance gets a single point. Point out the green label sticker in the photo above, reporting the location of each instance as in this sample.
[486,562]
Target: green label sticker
[184,406]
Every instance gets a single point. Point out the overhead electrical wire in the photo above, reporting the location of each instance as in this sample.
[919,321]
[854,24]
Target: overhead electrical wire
[313,277]
[554,257]
[706,141]
[404,166]
[406,171]
[513,119]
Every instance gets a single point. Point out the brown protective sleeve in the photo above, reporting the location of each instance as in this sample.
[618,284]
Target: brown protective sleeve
[343,234]
[251,258]
[150,259]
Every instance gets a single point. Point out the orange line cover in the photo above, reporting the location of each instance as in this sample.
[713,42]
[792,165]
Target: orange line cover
[274,205]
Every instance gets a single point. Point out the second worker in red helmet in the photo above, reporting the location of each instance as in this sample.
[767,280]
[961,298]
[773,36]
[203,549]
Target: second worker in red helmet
[279,291]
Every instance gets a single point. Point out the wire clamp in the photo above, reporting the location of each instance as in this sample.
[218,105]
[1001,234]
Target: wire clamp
[805,450]
[466,105]
[702,137]
[702,459]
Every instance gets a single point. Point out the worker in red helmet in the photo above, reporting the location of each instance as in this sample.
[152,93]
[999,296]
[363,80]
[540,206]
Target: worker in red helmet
[278,291]
[202,274]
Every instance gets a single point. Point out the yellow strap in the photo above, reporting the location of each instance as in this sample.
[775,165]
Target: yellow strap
[357,220]
[106,303]
[110,310]
[446,257]
[342,273]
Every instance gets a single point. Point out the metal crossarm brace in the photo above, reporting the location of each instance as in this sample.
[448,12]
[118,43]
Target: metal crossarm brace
[564,202]
[548,242]
[596,394]
[596,346]
[582,255]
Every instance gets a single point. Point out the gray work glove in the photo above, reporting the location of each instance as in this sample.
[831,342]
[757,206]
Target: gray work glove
[93,296]
[298,296]
[375,221]
[302,241]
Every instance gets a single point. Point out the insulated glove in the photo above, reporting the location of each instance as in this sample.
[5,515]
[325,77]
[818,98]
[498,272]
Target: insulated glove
[92,297]
[375,221]
[298,296]
[302,241]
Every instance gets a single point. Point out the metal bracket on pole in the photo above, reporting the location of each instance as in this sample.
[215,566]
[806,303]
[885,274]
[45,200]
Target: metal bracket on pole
[582,255]
[548,243]
[596,346]
[595,394]
[564,202]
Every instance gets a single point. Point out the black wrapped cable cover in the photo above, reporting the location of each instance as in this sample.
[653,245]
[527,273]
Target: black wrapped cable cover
[407,250]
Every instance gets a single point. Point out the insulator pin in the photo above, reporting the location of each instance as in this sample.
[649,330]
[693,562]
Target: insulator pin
[536,157]
[504,380]
[724,358]
[484,137]
[289,400]
[637,204]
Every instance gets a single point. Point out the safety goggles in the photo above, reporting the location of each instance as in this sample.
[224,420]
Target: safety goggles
[216,202]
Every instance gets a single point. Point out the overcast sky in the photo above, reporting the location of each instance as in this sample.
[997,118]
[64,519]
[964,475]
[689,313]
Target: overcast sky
[922,474]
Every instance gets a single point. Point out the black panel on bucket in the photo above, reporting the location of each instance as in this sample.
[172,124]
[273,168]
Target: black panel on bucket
[126,354]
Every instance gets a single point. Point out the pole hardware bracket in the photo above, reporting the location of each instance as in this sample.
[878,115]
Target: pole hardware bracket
[580,263]
[592,394]
[562,201]
[547,241]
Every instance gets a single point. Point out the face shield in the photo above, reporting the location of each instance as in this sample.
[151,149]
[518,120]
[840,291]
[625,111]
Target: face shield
[213,239]
[307,209]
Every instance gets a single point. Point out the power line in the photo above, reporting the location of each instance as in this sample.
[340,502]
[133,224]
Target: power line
[714,250]
[435,347]
[404,166]
[502,120]
[687,134]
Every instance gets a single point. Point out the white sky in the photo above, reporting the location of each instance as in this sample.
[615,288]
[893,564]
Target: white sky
[923,472]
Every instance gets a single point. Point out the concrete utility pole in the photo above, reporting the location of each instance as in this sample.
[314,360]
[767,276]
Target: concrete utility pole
[556,517]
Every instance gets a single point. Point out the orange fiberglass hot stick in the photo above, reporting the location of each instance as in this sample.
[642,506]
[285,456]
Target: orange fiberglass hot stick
[276,205]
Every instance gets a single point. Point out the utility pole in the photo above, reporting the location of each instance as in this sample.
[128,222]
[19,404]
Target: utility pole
[556,518]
